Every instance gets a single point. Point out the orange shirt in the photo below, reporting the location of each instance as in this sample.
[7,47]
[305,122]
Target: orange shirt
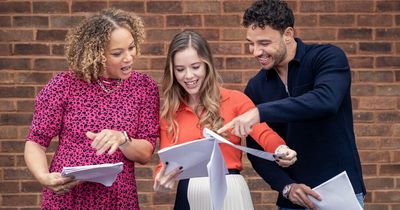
[233,104]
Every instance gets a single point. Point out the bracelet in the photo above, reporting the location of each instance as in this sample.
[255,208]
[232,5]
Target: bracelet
[127,140]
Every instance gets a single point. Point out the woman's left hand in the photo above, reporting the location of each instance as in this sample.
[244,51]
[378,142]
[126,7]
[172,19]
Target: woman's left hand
[285,156]
[106,140]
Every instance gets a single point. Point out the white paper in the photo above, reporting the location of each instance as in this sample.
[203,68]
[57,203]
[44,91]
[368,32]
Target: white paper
[216,172]
[202,158]
[336,193]
[259,153]
[105,174]
[191,156]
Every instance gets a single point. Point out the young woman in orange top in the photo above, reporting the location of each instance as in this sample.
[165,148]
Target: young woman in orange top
[194,99]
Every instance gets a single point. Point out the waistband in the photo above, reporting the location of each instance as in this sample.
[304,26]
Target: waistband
[234,171]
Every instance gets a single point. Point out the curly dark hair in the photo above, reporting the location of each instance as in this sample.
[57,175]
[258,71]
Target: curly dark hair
[86,43]
[273,13]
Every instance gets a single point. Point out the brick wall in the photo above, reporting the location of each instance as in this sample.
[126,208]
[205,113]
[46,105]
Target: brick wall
[31,52]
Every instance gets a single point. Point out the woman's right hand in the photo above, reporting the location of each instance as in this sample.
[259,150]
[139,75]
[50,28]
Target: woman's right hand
[57,183]
[165,182]
[285,156]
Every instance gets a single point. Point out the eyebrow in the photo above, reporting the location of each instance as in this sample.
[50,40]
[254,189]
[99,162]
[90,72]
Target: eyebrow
[261,40]
[132,43]
[190,64]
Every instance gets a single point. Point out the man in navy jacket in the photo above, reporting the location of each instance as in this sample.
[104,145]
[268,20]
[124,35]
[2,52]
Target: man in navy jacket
[303,93]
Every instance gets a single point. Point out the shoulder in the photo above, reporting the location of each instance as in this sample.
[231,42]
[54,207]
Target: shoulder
[233,95]
[141,77]
[57,88]
[61,77]
[325,56]
[144,83]
[143,80]
[60,81]
[325,50]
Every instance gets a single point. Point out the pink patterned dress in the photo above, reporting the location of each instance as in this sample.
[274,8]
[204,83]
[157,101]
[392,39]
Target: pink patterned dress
[68,107]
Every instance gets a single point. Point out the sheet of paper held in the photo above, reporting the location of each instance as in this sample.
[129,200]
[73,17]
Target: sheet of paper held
[261,154]
[105,174]
[203,158]
[336,193]
[217,180]
[193,156]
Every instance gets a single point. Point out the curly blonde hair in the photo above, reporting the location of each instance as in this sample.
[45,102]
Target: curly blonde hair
[174,94]
[86,44]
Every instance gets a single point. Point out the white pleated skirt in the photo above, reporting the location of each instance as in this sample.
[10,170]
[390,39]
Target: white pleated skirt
[237,196]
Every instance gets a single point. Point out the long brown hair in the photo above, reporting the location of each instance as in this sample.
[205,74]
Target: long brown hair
[174,94]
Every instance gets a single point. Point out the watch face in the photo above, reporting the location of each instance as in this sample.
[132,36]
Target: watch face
[286,190]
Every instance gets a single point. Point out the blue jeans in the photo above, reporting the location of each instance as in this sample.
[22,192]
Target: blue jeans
[360,198]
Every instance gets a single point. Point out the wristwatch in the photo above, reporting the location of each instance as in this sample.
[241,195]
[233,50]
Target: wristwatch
[286,190]
[127,140]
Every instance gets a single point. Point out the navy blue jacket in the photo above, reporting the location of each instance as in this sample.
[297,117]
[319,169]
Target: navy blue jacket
[314,117]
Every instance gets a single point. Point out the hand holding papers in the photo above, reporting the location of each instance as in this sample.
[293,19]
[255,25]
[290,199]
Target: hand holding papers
[336,193]
[194,156]
[203,158]
[104,173]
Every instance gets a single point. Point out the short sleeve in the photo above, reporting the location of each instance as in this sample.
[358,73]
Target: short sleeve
[149,113]
[50,106]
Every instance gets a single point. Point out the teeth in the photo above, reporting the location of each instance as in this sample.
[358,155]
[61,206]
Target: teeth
[126,68]
[191,83]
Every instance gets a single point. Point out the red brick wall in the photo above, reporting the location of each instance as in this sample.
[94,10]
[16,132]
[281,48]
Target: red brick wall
[31,52]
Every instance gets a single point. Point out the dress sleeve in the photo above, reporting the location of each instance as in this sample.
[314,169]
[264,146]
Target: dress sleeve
[165,141]
[261,133]
[149,113]
[50,106]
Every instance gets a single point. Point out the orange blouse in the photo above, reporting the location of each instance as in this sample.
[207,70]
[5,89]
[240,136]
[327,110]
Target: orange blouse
[233,104]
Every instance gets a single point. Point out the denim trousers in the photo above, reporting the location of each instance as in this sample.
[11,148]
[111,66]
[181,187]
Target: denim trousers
[360,198]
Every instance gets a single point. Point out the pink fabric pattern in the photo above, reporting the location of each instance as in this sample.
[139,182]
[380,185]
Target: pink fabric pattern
[68,107]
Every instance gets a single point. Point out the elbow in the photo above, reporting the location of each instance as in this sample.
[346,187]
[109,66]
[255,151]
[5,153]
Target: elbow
[331,109]
[145,158]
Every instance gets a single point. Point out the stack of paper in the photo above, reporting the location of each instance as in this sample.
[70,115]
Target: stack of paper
[105,174]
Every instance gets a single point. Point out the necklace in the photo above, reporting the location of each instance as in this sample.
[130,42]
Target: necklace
[119,82]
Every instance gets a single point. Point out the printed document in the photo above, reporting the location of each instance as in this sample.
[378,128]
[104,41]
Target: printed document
[105,174]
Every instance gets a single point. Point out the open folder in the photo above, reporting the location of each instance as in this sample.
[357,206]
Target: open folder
[203,158]
[336,193]
[105,174]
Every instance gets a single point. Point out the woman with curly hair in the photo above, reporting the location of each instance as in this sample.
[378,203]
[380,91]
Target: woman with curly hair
[193,100]
[102,112]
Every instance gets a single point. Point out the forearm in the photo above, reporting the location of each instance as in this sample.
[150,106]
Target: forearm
[138,150]
[36,161]
[266,137]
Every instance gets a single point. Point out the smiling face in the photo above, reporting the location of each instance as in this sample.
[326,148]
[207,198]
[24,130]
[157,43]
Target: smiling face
[267,46]
[120,54]
[190,72]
